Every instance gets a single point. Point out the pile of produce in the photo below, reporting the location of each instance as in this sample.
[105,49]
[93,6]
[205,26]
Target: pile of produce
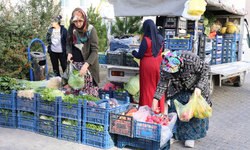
[75,80]
[69,122]
[5,112]
[50,94]
[158,119]
[95,127]
[208,21]
[8,84]
[112,86]
[74,99]
[112,103]
[229,27]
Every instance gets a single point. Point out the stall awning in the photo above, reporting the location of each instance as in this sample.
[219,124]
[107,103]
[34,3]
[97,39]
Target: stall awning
[125,8]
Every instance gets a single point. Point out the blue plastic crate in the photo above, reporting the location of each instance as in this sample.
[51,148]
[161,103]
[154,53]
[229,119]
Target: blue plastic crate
[218,61]
[27,104]
[219,54]
[99,115]
[47,127]
[26,122]
[219,48]
[101,139]
[122,141]
[179,44]
[8,101]
[68,132]
[70,111]
[103,93]
[219,40]
[49,108]
[120,96]
[224,60]
[102,59]
[149,131]
[200,27]
[232,36]
[8,120]
[114,46]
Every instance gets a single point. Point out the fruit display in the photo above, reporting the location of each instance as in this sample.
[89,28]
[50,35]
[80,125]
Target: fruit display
[158,119]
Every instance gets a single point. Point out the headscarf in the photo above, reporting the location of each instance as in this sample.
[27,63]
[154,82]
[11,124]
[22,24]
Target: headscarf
[151,32]
[82,34]
[172,62]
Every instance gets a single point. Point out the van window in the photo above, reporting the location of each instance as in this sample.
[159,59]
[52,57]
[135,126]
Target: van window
[247,35]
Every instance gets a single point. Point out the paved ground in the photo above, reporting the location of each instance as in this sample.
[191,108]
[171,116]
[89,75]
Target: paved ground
[229,127]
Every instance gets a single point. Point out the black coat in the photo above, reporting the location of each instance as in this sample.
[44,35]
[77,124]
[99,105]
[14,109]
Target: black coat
[64,36]
[194,73]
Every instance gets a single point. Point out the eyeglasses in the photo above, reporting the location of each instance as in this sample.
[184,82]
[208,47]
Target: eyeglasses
[78,21]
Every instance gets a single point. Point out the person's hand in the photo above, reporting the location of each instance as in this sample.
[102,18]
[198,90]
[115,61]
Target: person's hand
[69,58]
[197,92]
[155,105]
[84,69]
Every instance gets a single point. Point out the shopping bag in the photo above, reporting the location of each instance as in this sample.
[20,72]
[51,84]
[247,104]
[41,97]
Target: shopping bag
[75,80]
[203,110]
[186,15]
[196,7]
[186,112]
[65,76]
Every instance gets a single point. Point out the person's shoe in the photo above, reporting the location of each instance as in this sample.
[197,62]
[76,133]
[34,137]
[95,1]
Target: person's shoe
[173,140]
[189,143]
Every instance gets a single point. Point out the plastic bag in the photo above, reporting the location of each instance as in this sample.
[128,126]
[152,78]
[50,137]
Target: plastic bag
[196,7]
[166,131]
[186,112]
[203,110]
[142,113]
[187,16]
[75,80]
[65,76]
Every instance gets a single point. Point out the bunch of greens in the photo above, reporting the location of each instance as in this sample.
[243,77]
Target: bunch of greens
[74,99]
[70,122]
[120,90]
[95,126]
[7,84]
[33,84]
[47,118]
[75,80]
[6,112]
[208,21]
[50,94]
[25,113]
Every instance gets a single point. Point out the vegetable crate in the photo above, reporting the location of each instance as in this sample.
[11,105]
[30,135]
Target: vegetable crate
[101,139]
[115,58]
[120,96]
[47,127]
[69,132]
[129,60]
[149,131]
[122,141]
[102,59]
[8,118]
[70,111]
[26,121]
[114,46]
[179,44]
[27,104]
[99,115]
[232,36]
[48,108]
[8,101]
[103,93]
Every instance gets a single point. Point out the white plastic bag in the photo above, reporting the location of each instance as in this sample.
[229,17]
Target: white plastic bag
[166,131]
[186,15]
[142,113]
[106,10]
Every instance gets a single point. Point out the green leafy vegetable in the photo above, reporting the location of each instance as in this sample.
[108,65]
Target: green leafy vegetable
[6,112]
[132,86]
[70,122]
[7,84]
[95,126]
[50,94]
[120,90]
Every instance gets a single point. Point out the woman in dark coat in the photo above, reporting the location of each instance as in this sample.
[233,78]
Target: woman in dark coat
[184,73]
[82,50]
[57,37]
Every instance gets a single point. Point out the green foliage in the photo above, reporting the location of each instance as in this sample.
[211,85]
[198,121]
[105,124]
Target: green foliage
[18,26]
[127,25]
[96,21]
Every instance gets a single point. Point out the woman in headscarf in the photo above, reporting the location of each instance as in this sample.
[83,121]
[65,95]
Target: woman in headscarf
[184,73]
[82,50]
[57,36]
[149,54]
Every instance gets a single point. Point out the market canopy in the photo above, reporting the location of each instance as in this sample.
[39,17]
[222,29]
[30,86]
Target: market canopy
[124,8]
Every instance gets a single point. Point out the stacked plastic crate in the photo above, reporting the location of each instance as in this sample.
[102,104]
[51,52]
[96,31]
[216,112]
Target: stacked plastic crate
[70,121]
[8,110]
[205,48]
[217,50]
[191,27]
[230,47]
[26,113]
[47,112]
[96,120]
[179,44]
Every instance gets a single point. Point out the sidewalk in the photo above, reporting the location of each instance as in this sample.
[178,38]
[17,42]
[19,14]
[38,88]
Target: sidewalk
[229,127]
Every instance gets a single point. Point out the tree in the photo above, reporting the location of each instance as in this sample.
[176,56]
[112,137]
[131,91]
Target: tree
[18,26]
[95,19]
[127,25]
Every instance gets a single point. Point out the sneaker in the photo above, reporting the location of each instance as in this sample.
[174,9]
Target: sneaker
[189,143]
[173,140]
